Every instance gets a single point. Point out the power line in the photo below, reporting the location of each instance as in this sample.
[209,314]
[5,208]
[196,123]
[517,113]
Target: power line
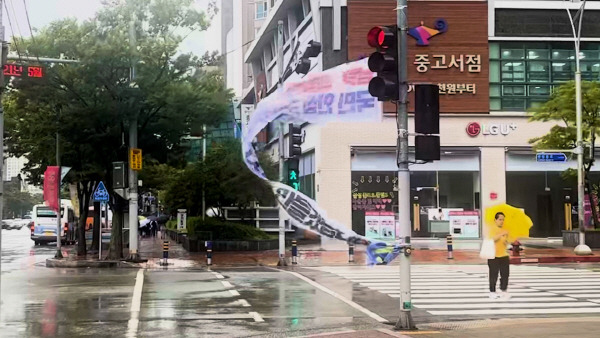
[12,30]
[30,30]
[17,24]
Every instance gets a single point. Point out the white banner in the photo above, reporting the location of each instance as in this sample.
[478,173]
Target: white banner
[338,94]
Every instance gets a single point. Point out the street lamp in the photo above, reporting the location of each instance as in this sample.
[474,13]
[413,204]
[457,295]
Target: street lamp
[582,248]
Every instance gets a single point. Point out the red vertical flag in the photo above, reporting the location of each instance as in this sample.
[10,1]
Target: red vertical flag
[51,179]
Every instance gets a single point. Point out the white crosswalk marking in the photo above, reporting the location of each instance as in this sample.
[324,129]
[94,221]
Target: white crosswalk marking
[463,290]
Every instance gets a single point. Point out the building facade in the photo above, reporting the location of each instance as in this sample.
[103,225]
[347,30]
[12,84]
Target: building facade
[493,61]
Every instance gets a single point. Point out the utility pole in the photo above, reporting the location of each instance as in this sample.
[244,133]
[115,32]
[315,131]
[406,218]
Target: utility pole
[203,160]
[405,321]
[3,54]
[582,248]
[58,254]
[133,138]
[282,261]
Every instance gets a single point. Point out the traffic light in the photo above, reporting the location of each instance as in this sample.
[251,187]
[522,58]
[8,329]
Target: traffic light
[427,122]
[384,62]
[312,50]
[294,153]
[295,141]
[293,178]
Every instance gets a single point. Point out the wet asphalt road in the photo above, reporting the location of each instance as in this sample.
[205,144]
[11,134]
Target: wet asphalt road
[260,302]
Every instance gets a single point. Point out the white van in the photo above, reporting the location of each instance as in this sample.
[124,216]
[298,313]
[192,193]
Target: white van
[43,227]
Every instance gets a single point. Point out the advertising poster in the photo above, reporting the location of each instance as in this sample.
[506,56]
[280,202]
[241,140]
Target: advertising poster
[372,224]
[464,224]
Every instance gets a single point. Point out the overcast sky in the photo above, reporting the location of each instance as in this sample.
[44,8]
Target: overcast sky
[42,12]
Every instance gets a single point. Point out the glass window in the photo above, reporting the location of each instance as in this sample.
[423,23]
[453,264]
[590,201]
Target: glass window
[494,51]
[513,90]
[533,54]
[495,104]
[560,54]
[513,54]
[539,90]
[495,90]
[514,103]
[538,71]
[513,71]
[494,71]
[262,9]
[561,71]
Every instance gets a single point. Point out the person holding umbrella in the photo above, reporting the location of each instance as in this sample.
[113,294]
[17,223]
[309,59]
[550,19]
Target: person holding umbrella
[505,224]
[501,262]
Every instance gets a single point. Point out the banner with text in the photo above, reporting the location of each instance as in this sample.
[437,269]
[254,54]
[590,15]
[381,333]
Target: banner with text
[338,94]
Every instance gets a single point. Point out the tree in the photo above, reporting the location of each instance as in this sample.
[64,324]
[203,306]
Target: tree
[561,107]
[16,202]
[90,104]
[225,178]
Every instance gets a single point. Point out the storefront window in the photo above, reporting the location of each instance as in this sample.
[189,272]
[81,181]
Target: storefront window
[540,67]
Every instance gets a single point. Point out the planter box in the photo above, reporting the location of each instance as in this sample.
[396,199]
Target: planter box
[571,238]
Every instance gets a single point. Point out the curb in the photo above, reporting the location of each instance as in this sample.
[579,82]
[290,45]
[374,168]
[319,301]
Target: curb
[554,259]
[63,263]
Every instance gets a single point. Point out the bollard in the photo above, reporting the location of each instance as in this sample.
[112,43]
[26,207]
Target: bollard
[516,248]
[209,253]
[351,253]
[449,242]
[165,252]
[294,252]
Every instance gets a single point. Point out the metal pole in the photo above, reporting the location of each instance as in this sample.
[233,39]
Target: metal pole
[58,254]
[3,54]
[282,261]
[405,321]
[100,235]
[133,176]
[203,159]
[582,248]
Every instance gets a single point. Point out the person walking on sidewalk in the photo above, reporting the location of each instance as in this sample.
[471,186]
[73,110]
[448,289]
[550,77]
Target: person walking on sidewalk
[501,262]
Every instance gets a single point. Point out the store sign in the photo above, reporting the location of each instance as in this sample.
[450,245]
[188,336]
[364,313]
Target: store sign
[423,33]
[472,62]
[452,88]
[475,128]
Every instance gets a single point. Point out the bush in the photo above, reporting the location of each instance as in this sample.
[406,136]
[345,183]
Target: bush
[172,224]
[224,230]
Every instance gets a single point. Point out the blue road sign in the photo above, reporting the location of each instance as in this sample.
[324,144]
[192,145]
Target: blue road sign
[551,157]
[101,194]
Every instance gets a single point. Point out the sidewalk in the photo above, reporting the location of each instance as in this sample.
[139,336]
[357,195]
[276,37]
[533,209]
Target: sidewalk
[425,251]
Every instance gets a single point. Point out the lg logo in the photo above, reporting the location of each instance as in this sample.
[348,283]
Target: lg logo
[474,129]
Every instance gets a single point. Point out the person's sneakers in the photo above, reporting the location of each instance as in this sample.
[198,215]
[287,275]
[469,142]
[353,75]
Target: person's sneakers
[494,295]
[504,295]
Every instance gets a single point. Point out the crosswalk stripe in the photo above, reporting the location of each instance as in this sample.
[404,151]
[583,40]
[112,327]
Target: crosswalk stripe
[442,291]
[492,304]
[583,295]
[532,284]
[569,289]
[487,300]
[441,294]
[515,311]
[474,295]
[427,287]
[373,282]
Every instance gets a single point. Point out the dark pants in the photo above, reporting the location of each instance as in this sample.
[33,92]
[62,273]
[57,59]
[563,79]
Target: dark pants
[499,264]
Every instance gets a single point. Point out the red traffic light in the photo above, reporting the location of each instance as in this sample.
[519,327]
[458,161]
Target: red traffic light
[381,37]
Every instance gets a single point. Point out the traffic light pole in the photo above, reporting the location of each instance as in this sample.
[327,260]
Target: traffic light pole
[405,321]
[282,261]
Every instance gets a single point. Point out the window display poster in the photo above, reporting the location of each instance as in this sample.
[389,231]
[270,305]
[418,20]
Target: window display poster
[373,192]
[464,224]
[434,214]
[380,225]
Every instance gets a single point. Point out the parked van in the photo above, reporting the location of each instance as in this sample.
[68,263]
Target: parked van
[43,227]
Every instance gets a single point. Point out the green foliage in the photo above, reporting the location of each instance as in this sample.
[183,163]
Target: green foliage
[172,224]
[16,202]
[224,230]
[90,104]
[225,178]
[561,108]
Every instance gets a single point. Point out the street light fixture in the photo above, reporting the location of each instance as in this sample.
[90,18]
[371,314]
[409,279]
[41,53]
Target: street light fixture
[582,248]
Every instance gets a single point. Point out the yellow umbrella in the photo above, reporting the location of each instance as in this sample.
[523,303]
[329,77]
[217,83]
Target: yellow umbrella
[141,218]
[516,222]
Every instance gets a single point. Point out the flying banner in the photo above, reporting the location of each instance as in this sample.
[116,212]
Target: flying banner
[51,187]
[338,94]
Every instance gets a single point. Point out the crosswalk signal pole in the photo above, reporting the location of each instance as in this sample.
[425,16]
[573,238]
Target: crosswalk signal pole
[405,321]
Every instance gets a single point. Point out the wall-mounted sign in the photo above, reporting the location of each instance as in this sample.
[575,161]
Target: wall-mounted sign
[475,128]
[473,62]
[452,88]
[423,33]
